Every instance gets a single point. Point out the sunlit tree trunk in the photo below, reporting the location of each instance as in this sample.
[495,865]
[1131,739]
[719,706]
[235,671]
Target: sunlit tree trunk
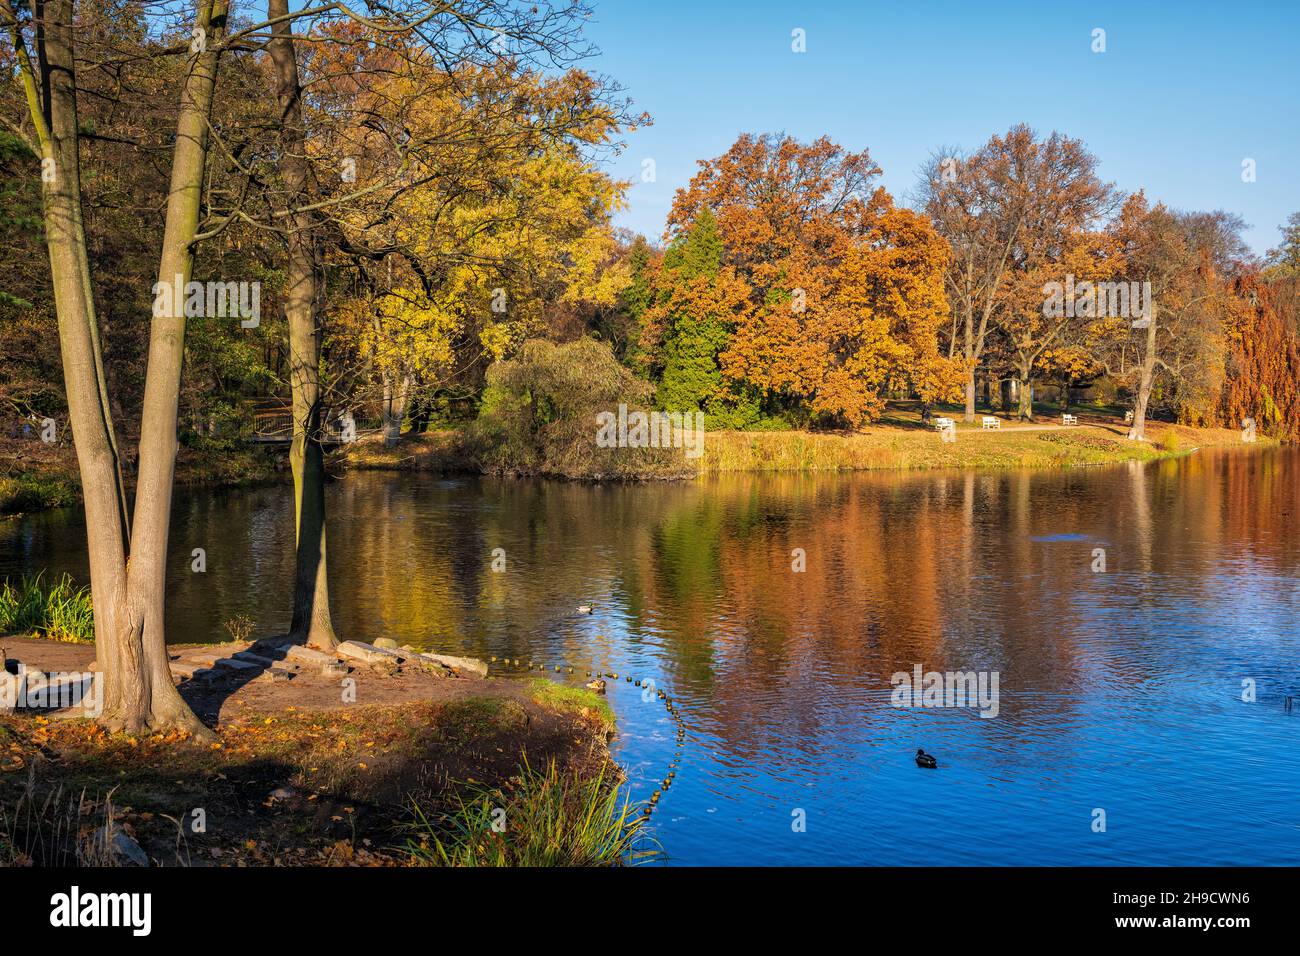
[138,692]
[1025,380]
[1146,377]
[396,398]
[147,575]
[50,88]
[311,613]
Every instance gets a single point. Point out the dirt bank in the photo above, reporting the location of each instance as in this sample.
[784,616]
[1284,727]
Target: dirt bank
[306,770]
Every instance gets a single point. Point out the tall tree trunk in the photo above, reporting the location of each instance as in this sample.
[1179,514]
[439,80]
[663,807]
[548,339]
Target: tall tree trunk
[1146,377]
[1025,376]
[120,652]
[311,612]
[394,408]
[147,574]
[971,361]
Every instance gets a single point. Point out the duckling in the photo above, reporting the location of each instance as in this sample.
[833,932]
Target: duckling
[923,759]
[597,685]
[584,608]
[628,678]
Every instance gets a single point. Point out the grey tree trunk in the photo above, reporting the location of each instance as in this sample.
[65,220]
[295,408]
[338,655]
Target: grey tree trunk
[1146,378]
[54,114]
[127,577]
[396,398]
[1026,412]
[311,613]
[147,575]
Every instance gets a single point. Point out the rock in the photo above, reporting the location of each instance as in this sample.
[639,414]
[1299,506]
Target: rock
[306,655]
[467,665]
[379,659]
[386,643]
[186,668]
[281,793]
[231,664]
[126,852]
[334,669]
[253,658]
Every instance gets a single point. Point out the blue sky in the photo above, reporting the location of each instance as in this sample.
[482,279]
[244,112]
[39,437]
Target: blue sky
[1183,93]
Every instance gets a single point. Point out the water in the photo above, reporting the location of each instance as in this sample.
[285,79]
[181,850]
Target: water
[1119,690]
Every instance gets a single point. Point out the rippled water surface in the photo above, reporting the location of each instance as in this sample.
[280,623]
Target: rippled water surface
[1120,690]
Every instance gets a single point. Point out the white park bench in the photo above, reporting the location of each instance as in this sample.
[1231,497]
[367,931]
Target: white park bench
[942,423]
[1128,417]
[988,421]
[1068,419]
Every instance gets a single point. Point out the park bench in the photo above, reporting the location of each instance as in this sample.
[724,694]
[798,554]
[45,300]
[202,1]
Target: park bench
[988,421]
[1068,419]
[1128,417]
[942,423]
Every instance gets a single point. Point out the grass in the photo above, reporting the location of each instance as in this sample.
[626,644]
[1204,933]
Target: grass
[60,829]
[886,447]
[37,492]
[573,699]
[61,611]
[550,818]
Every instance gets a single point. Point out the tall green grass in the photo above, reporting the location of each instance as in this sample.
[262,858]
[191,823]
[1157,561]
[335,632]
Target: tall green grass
[551,819]
[61,611]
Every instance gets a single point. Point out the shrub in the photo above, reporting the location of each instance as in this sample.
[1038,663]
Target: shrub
[538,416]
[62,611]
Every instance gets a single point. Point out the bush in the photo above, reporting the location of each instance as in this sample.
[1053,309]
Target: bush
[539,416]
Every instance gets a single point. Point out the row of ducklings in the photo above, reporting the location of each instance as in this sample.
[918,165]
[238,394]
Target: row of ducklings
[598,684]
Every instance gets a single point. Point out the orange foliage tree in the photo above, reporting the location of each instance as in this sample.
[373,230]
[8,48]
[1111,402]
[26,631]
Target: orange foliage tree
[845,289]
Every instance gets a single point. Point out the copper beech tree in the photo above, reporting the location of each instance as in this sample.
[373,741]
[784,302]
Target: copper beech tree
[843,289]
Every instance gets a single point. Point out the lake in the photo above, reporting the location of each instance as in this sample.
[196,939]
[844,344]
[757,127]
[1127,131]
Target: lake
[775,610]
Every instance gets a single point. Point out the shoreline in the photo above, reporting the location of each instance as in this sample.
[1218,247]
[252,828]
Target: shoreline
[298,775]
[900,445]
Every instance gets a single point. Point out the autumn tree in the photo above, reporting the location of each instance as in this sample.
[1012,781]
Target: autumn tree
[845,288]
[1185,260]
[1261,380]
[1014,211]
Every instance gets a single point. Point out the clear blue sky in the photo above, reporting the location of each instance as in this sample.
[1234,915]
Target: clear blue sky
[1182,95]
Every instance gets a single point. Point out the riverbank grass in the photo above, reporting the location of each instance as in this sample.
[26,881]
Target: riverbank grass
[59,611]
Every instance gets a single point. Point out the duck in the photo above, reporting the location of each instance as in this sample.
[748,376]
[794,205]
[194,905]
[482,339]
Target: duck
[923,759]
[597,685]
[584,608]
